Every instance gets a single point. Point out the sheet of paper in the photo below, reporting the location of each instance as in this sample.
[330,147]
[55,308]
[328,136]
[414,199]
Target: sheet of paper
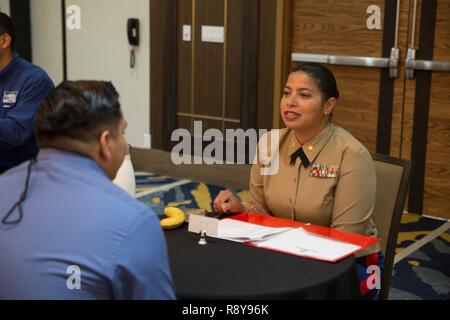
[239,231]
[299,241]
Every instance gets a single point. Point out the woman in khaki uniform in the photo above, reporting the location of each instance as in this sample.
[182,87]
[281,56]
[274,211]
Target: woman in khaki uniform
[325,176]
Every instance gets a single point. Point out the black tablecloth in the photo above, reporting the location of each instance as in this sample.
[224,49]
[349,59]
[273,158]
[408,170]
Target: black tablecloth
[228,270]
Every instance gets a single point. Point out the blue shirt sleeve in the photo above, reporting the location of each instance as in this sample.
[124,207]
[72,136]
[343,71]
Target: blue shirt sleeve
[17,127]
[142,270]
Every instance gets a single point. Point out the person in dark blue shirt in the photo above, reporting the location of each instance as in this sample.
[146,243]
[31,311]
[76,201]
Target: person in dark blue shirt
[23,86]
[68,232]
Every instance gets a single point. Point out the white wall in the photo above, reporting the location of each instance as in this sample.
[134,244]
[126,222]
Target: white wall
[100,51]
[4,7]
[46,37]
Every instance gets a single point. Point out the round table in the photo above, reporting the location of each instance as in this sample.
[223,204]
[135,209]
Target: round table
[229,270]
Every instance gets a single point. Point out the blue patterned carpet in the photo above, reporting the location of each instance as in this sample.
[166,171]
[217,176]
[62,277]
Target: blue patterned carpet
[425,274]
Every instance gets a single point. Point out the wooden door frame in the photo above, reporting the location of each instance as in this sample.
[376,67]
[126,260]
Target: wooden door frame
[422,106]
[163,71]
[386,87]
[21,17]
[282,55]
[249,64]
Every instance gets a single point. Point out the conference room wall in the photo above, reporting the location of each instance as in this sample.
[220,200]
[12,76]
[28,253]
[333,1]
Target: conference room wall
[99,50]
[46,37]
[4,6]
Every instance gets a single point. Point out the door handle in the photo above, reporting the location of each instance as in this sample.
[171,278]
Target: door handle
[356,61]
[431,65]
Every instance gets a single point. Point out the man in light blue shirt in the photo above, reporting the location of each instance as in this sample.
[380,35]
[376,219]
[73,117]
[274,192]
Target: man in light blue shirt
[66,231]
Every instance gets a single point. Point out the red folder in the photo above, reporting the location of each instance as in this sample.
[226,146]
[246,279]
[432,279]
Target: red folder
[344,236]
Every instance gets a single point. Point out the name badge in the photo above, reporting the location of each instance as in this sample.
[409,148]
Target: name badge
[9,97]
[324,171]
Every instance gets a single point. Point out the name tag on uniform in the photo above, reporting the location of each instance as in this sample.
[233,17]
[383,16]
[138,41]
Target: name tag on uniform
[324,171]
[9,97]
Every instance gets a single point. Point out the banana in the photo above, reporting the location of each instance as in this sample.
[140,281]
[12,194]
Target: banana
[175,218]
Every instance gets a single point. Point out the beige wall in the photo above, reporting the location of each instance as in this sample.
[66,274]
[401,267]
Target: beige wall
[99,51]
[4,6]
[46,37]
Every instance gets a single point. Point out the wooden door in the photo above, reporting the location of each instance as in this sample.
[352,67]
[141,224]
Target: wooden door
[426,124]
[406,117]
[225,85]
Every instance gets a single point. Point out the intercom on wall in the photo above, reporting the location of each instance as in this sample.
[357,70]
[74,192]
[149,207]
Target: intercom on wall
[133,31]
[133,38]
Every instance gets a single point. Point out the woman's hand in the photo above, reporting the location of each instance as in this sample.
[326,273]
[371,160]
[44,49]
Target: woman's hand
[227,202]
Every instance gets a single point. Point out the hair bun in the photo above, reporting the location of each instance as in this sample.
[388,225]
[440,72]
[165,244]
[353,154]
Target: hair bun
[337,94]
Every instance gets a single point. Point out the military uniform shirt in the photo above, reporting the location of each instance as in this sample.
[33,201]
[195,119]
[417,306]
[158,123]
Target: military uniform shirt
[336,190]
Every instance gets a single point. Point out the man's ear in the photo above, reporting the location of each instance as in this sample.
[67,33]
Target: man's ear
[5,41]
[104,142]
[329,106]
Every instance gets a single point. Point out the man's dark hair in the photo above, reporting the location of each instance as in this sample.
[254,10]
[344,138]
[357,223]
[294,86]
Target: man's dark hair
[79,110]
[323,76]
[7,26]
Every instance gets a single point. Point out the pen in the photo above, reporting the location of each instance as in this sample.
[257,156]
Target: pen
[227,200]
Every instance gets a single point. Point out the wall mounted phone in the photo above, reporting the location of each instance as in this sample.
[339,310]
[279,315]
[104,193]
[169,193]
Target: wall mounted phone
[133,38]
[133,31]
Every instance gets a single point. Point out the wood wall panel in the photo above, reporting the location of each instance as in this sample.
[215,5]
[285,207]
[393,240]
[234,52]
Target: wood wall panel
[405,89]
[442,34]
[266,64]
[210,124]
[208,66]
[234,48]
[336,27]
[398,116]
[437,172]
[163,72]
[232,125]
[184,123]
[184,57]
[357,108]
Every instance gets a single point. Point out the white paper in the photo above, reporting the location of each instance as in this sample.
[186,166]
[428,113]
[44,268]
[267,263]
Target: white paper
[239,231]
[301,242]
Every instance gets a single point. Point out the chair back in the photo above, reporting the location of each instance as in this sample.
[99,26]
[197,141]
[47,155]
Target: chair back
[392,186]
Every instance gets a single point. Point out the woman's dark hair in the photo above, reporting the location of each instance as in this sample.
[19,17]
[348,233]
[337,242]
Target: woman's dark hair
[79,110]
[7,26]
[323,76]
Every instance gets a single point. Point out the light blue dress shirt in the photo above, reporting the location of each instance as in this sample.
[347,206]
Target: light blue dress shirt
[81,236]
